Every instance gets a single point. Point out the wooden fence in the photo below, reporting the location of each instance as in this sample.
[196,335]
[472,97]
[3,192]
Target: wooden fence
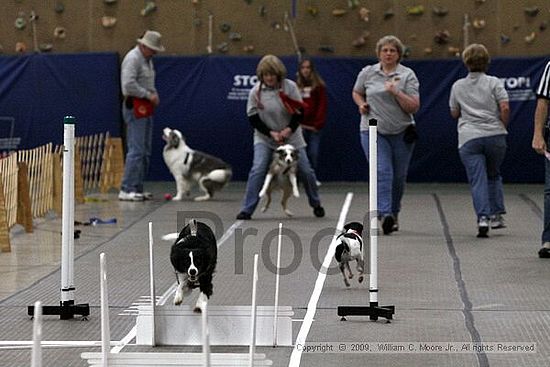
[31,180]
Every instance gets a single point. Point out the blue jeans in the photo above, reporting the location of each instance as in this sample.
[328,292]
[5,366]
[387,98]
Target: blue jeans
[394,156]
[546,230]
[139,140]
[482,158]
[260,165]
[313,140]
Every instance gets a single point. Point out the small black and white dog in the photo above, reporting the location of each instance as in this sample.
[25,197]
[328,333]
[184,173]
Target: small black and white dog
[282,176]
[188,165]
[194,256]
[349,249]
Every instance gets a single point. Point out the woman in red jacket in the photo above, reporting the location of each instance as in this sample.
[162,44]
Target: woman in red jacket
[313,90]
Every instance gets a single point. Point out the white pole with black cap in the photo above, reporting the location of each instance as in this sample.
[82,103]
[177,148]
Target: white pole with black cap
[67,308]
[372,310]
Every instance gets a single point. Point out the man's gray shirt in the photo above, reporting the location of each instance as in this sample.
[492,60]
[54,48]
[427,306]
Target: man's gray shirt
[137,76]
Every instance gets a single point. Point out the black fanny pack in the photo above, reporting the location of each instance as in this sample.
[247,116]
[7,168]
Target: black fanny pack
[129,102]
[410,135]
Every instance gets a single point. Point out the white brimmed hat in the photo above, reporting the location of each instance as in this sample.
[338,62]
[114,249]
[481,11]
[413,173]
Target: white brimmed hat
[151,39]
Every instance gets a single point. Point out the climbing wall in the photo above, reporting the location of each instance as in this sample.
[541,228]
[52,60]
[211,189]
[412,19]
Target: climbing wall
[430,29]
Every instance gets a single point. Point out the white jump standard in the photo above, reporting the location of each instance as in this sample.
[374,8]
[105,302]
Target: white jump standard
[373,310]
[67,308]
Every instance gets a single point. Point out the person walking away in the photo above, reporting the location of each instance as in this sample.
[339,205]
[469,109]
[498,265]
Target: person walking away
[480,103]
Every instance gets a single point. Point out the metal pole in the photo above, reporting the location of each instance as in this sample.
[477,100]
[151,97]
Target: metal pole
[466,31]
[210,33]
[67,229]
[205,335]
[67,308]
[105,328]
[293,37]
[33,19]
[277,277]
[373,216]
[36,360]
[253,314]
[152,285]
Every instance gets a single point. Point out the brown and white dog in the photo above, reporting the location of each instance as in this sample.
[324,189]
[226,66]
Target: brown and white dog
[188,166]
[281,175]
[350,248]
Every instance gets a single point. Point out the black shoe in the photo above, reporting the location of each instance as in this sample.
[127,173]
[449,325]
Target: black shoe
[483,227]
[544,253]
[319,211]
[244,216]
[395,227]
[387,224]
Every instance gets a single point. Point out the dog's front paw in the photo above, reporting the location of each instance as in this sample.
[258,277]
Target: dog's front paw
[346,282]
[202,198]
[201,303]
[289,213]
[178,299]
[263,209]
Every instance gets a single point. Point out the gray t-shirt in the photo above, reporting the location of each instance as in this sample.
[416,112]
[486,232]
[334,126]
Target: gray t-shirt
[382,104]
[137,74]
[274,114]
[477,97]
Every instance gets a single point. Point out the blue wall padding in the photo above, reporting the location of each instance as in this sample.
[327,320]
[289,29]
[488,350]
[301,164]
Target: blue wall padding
[204,97]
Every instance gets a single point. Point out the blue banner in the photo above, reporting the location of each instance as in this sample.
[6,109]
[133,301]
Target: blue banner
[205,98]
[38,90]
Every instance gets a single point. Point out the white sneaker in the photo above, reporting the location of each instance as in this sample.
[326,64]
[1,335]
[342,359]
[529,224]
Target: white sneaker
[318,183]
[130,196]
[497,221]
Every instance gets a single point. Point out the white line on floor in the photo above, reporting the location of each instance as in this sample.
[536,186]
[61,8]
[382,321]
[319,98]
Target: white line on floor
[132,334]
[296,355]
[17,344]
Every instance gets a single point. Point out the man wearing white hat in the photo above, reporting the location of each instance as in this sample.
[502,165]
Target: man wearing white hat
[140,99]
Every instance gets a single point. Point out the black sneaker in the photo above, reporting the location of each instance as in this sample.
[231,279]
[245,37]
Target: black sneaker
[483,227]
[395,227]
[319,211]
[244,216]
[387,224]
[544,253]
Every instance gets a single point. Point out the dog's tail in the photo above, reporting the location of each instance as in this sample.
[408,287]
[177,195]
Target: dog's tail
[170,236]
[220,175]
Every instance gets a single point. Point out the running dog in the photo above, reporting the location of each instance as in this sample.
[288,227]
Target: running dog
[194,257]
[282,176]
[349,249]
[188,165]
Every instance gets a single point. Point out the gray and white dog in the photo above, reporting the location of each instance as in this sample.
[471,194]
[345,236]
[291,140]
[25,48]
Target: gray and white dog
[282,176]
[188,165]
[350,248]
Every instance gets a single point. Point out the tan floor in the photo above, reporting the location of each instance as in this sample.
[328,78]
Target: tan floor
[447,285]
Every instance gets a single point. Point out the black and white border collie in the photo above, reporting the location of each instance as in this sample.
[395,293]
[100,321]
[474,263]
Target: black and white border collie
[349,249]
[281,175]
[194,256]
[188,165]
